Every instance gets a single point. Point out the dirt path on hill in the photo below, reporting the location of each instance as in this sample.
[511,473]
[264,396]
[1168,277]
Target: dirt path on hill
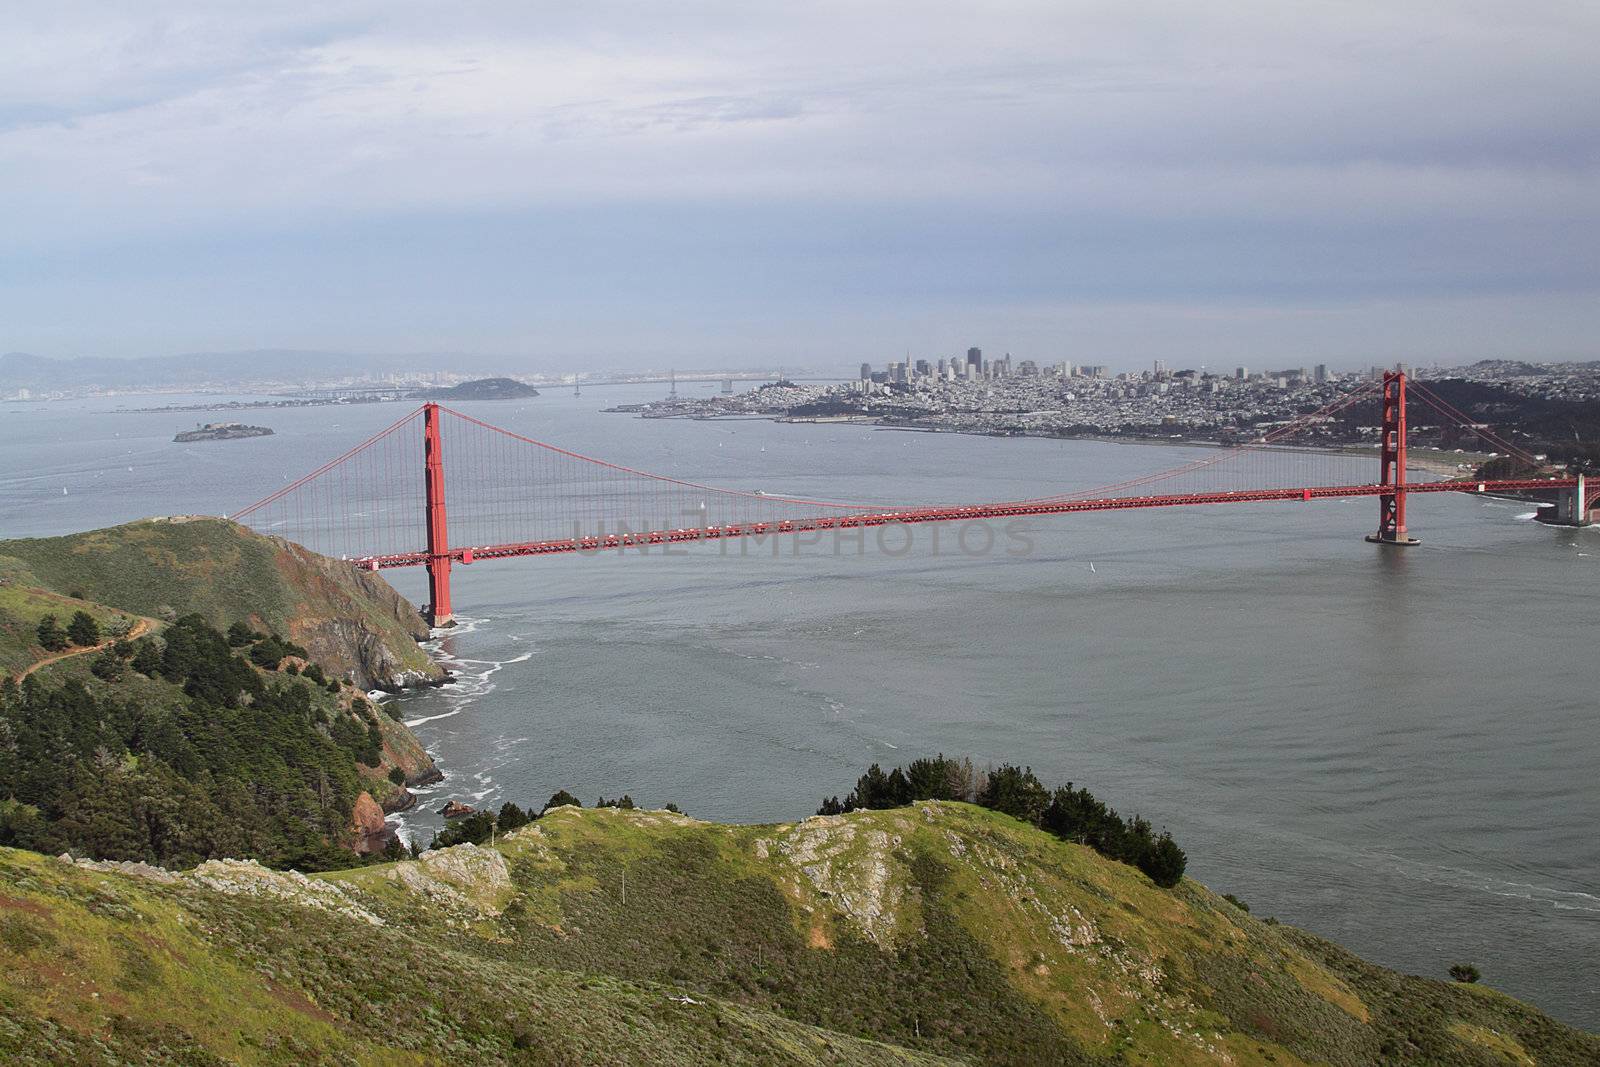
[139,629]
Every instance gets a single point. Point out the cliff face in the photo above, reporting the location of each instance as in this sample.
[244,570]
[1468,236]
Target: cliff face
[367,825]
[933,934]
[354,622]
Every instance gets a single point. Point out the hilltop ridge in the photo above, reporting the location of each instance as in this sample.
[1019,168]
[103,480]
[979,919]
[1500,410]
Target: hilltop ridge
[940,933]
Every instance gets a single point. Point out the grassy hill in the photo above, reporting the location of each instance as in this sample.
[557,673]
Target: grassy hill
[23,607]
[937,933]
[352,622]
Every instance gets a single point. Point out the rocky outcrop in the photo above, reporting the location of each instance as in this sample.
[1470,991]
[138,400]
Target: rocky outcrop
[454,809]
[465,878]
[371,832]
[249,878]
[402,749]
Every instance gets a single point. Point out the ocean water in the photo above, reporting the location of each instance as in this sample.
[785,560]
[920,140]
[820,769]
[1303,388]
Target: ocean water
[1394,749]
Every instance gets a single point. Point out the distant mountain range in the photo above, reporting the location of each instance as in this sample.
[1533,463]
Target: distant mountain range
[21,370]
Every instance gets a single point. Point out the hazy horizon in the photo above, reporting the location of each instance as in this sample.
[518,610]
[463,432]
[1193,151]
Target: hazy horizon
[720,185]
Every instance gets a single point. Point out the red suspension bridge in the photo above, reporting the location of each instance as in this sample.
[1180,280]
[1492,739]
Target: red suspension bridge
[387,502]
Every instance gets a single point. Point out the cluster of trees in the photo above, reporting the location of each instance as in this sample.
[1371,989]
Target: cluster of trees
[480,826]
[81,631]
[1069,813]
[243,764]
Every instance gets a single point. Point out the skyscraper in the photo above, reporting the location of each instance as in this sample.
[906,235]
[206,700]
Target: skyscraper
[975,362]
[866,372]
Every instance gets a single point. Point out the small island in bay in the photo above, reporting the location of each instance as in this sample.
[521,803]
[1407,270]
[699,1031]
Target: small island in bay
[222,431]
[481,389]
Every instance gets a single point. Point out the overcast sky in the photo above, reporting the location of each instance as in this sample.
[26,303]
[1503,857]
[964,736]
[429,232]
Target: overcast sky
[612,184]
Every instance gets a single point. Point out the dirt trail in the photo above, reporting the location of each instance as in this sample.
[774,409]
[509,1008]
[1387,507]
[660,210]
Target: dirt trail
[139,629]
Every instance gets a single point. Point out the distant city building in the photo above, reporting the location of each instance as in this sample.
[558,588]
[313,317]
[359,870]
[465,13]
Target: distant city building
[923,369]
[1321,373]
[866,372]
[1240,373]
[974,361]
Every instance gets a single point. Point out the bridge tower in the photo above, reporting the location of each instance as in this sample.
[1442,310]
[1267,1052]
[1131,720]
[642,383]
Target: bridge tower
[439,613]
[1392,466]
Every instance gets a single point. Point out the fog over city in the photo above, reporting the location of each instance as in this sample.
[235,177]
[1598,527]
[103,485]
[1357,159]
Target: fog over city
[630,185]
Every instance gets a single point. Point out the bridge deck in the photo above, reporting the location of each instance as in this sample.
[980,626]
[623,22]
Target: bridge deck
[961,513]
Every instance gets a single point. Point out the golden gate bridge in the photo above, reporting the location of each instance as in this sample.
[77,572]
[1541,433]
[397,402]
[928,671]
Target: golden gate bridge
[388,503]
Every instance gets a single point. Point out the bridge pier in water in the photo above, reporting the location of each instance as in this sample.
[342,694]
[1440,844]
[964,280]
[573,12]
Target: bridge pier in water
[1392,468]
[1573,507]
[439,613]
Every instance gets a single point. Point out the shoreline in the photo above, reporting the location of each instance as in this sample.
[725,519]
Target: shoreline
[1424,458]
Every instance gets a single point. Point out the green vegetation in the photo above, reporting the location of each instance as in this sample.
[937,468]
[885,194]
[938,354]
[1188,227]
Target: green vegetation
[228,575]
[1070,814]
[938,933]
[83,631]
[1464,972]
[206,756]
[30,617]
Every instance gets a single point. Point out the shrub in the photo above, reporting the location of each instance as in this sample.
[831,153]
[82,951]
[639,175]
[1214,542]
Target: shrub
[397,776]
[1464,972]
[1236,902]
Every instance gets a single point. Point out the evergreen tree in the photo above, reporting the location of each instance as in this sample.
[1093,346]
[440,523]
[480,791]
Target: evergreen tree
[83,630]
[1016,792]
[147,658]
[1165,862]
[510,817]
[52,638]
[107,667]
[562,799]
[240,635]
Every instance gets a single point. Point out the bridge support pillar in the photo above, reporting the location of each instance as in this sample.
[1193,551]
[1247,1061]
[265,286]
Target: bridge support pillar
[1392,505]
[438,613]
[1573,507]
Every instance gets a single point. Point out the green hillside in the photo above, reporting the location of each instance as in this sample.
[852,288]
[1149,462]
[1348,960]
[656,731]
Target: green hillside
[22,608]
[936,933]
[352,622]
